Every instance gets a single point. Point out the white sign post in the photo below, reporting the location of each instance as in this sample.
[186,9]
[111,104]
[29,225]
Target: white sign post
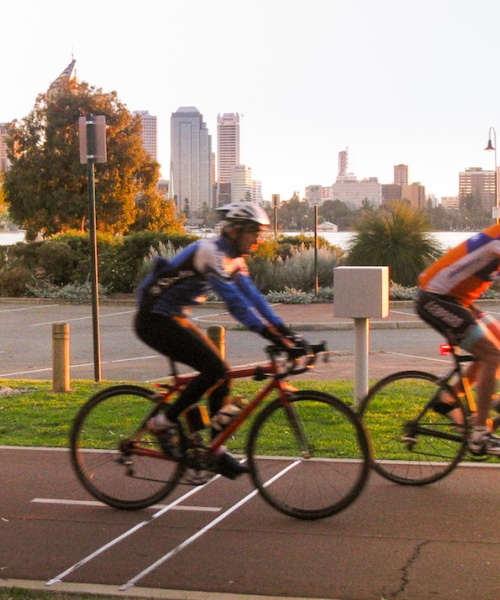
[361,293]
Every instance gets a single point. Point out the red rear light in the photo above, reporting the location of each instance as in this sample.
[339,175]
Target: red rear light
[445,349]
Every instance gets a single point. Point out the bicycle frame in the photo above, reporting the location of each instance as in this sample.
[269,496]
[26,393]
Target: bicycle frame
[269,370]
[459,359]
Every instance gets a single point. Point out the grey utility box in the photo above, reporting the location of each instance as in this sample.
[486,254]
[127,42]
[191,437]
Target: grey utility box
[361,292]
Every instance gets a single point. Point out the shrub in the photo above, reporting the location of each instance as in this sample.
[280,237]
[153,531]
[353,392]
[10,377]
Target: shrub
[297,271]
[121,267]
[13,281]
[73,291]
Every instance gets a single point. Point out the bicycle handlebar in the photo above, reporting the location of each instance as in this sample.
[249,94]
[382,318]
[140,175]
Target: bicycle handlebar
[303,350]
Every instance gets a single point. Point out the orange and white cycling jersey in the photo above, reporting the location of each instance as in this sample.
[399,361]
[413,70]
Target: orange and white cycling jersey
[466,271]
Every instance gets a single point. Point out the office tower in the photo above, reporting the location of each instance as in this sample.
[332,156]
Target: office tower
[343,175]
[228,145]
[149,133]
[4,162]
[401,175]
[390,192]
[191,156]
[257,192]
[450,202]
[62,82]
[415,193]
[343,160]
[479,184]
[355,192]
[241,184]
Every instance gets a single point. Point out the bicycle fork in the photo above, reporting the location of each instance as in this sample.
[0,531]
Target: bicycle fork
[296,425]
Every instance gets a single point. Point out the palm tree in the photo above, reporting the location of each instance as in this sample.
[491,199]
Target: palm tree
[396,236]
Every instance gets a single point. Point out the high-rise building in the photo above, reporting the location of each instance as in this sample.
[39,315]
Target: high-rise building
[61,83]
[149,133]
[390,192]
[450,202]
[241,184]
[4,161]
[191,158]
[355,192]
[257,192]
[343,174]
[401,175]
[415,193]
[479,184]
[343,160]
[228,145]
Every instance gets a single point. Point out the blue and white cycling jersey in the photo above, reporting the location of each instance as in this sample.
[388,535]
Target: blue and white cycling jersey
[211,263]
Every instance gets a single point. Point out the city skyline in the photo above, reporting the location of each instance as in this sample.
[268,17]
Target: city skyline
[397,83]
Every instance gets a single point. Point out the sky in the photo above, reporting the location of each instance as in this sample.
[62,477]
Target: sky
[413,82]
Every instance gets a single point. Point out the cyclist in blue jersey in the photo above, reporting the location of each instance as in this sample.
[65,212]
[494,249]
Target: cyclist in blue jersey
[161,322]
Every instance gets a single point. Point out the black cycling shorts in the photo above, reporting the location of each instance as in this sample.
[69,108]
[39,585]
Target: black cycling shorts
[448,316]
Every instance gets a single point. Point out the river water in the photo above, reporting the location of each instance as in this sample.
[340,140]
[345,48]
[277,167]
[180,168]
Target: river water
[448,239]
[11,237]
[337,238]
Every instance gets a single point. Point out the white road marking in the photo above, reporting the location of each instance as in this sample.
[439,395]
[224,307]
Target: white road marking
[60,501]
[440,360]
[188,541]
[8,310]
[83,365]
[86,318]
[99,551]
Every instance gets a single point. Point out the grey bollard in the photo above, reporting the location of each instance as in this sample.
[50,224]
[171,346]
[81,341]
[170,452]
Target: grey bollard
[60,357]
[217,335]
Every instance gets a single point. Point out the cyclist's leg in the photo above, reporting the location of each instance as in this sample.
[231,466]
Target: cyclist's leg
[453,321]
[181,341]
[485,346]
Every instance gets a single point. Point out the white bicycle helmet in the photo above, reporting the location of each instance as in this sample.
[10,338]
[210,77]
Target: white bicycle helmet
[245,213]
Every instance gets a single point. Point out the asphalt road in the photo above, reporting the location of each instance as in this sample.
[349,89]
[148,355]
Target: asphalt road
[26,345]
[222,541]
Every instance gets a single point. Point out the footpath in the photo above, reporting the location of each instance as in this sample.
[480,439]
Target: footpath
[320,317]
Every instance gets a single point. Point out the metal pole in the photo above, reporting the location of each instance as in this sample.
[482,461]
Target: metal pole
[94,271]
[316,286]
[275,222]
[362,348]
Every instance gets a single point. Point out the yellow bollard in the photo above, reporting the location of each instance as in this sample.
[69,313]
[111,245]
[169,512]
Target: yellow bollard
[217,335]
[60,357]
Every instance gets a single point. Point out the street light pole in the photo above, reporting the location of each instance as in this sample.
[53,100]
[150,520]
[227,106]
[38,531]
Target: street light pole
[493,147]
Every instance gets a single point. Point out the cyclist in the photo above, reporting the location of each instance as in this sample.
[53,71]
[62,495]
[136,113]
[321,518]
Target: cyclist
[174,286]
[445,300]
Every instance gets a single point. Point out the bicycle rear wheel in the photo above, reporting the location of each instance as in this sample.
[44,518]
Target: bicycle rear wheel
[105,443]
[309,459]
[411,443]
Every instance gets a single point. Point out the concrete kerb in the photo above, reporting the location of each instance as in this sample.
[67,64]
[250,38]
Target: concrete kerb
[413,322]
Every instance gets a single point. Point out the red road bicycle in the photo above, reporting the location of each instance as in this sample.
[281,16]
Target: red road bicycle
[307,451]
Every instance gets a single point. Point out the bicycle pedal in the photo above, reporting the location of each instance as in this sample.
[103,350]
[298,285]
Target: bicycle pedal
[408,439]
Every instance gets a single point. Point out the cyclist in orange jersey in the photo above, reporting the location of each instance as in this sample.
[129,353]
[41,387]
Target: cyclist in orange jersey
[447,291]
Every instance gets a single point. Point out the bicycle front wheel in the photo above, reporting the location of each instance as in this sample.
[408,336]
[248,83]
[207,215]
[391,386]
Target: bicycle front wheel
[411,443]
[309,457]
[109,450]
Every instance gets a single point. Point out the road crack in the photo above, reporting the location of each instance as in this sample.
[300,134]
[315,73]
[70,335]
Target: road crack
[405,579]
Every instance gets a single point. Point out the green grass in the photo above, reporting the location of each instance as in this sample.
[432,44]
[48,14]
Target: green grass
[33,415]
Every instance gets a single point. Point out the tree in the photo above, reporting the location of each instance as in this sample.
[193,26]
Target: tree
[396,236]
[46,186]
[4,207]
